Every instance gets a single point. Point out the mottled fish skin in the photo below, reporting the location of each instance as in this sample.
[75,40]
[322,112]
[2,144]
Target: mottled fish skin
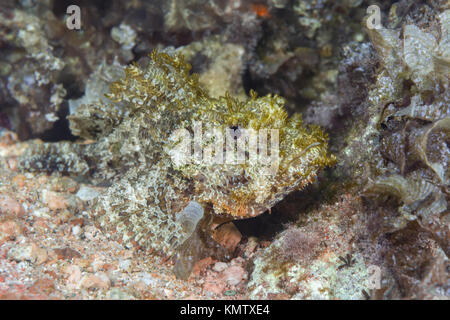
[130,140]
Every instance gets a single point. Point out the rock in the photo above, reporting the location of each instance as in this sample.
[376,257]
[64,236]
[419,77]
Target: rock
[54,200]
[223,70]
[9,229]
[220,266]
[250,247]
[74,277]
[97,264]
[41,213]
[125,265]
[228,236]
[108,267]
[98,281]
[225,275]
[28,252]
[201,265]
[87,193]
[77,222]
[10,206]
[214,285]
[42,225]
[20,253]
[41,255]
[64,184]
[124,35]
[76,230]
[234,275]
[85,264]
[278,296]
[43,286]
[7,138]
[238,261]
[19,180]
[118,294]
[67,253]
[92,233]
[169,294]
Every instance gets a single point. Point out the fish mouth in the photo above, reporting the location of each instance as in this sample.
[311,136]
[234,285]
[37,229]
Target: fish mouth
[237,210]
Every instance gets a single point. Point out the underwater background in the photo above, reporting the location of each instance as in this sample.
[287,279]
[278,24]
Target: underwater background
[90,208]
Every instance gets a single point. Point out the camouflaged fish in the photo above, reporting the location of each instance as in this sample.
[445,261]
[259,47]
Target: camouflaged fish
[153,201]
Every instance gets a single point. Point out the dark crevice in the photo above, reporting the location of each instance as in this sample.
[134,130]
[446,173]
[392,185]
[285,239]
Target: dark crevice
[60,130]
[288,211]
[247,82]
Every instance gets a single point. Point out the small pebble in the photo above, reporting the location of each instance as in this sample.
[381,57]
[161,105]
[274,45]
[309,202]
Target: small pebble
[66,253]
[9,230]
[9,205]
[54,200]
[234,275]
[76,230]
[87,193]
[74,276]
[98,281]
[28,252]
[220,266]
